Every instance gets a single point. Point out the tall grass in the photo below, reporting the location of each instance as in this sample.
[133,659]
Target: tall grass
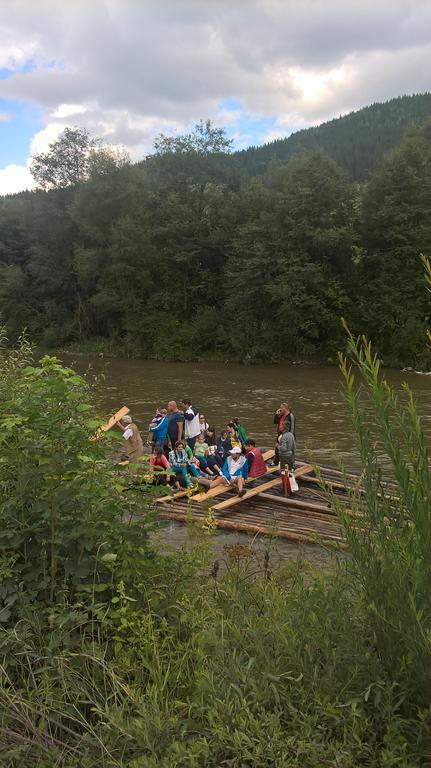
[389,535]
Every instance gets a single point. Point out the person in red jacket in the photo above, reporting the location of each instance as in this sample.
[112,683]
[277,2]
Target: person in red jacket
[256,462]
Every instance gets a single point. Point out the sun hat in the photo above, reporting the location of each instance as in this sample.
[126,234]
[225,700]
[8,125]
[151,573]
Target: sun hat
[236,449]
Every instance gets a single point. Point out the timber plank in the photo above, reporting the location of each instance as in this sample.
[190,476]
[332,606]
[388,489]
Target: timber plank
[304,470]
[114,419]
[224,488]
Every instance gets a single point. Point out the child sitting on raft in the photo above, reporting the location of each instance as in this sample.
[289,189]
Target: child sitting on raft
[207,462]
[224,445]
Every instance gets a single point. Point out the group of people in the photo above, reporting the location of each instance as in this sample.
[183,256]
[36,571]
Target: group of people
[184,446]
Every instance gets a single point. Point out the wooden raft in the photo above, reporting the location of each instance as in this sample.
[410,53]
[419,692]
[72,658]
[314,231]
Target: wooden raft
[263,510]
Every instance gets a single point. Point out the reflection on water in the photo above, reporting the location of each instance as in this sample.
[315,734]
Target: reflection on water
[222,391]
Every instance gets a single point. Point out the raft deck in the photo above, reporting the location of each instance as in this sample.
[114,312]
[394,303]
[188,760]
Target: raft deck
[305,517]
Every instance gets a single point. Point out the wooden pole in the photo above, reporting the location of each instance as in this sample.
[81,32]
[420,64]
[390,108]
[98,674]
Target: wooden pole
[245,528]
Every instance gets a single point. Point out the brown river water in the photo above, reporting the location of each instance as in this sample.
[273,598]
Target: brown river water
[223,391]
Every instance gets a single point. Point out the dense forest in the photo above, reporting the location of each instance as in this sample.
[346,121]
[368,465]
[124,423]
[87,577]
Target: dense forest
[190,254]
[357,141]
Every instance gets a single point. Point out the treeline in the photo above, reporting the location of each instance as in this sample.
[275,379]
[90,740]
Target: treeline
[357,141]
[187,255]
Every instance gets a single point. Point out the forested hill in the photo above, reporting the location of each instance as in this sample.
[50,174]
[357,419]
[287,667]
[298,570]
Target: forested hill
[357,141]
[188,256]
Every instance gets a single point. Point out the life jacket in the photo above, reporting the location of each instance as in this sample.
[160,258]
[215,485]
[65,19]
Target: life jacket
[258,466]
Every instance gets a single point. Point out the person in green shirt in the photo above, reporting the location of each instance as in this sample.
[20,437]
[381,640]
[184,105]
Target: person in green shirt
[207,462]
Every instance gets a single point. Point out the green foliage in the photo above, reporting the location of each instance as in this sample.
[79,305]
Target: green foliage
[203,140]
[357,141]
[389,535]
[112,655]
[63,505]
[74,157]
[186,255]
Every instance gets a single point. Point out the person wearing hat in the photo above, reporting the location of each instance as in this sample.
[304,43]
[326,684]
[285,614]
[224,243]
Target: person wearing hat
[234,471]
[134,447]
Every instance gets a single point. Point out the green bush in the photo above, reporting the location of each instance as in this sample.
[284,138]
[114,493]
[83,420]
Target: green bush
[112,655]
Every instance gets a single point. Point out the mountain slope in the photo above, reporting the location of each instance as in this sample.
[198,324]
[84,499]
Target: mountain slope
[356,141]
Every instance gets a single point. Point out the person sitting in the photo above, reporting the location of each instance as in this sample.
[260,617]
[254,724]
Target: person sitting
[134,447]
[180,463]
[240,431]
[210,438]
[158,428]
[203,423]
[234,437]
[207,462]
[255,460]
[235,471]
[160,467]
[224,445]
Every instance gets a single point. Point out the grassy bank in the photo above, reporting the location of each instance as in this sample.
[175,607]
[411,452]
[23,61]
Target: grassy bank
[115,655]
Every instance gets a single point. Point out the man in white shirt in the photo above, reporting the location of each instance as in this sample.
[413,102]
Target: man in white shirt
[192,426]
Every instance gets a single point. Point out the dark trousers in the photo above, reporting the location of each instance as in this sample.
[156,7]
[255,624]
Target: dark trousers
[191,442]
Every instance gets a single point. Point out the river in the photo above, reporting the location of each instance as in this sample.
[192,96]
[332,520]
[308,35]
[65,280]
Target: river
[223,391]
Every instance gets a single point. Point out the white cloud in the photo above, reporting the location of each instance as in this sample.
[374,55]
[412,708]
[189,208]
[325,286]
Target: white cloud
[42,139]
[68,110]
[15,178]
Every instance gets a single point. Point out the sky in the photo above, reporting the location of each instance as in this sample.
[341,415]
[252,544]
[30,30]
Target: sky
[127,70]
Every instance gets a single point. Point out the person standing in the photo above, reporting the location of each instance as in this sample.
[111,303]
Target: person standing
[159,428]
[283,416]
[134,447]
[286,450]
[175,423]
[192,427]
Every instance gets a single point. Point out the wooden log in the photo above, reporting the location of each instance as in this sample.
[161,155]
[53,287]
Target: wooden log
[260,489]
[245,528]
[177,495]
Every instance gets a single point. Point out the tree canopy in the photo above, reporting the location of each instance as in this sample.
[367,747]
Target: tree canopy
[156,259]
[72,158]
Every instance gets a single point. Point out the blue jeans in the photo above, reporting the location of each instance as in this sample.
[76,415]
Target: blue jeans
[182,471]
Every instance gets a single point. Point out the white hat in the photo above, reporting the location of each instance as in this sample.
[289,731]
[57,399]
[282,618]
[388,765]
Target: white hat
[235,450]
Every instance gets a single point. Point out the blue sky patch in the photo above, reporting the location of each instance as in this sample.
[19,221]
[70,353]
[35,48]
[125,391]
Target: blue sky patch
[16,132]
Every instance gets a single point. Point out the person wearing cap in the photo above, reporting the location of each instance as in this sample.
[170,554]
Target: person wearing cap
[234,471]
[134,447]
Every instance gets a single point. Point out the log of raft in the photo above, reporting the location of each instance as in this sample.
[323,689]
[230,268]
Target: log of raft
[249,528]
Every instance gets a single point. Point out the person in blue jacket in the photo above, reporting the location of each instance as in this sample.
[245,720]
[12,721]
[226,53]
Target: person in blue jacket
[234,471]
[158,430]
